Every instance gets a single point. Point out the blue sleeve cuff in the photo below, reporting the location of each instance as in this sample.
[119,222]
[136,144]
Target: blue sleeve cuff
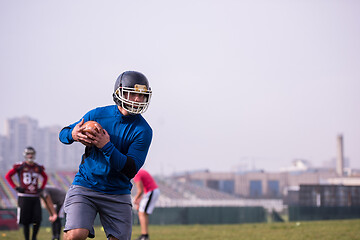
[65,135]
[70,137]
[108,149]
[116,159]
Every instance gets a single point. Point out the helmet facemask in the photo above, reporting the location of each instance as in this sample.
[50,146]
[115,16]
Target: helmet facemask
[122,94]
[29,154]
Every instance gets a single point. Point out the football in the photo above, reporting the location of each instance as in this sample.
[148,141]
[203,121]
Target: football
[91,125]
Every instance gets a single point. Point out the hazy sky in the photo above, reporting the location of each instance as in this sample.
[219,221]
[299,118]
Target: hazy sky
[236,84]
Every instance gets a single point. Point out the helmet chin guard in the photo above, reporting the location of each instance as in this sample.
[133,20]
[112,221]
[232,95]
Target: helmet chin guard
[129,83]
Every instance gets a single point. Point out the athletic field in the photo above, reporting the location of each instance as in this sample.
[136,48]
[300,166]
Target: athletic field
[310,230]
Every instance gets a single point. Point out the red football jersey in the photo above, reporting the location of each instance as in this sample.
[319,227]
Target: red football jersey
[29,176]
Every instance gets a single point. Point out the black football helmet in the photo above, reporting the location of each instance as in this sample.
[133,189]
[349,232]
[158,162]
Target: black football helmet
[27,151]
[131,82]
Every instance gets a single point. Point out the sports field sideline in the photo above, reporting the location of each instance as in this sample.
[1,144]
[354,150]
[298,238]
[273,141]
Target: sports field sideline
[309,230]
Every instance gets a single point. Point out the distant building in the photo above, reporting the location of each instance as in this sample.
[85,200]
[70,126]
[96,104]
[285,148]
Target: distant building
[25,131]
[284,184]
[3,147]
[21,132]
[258,184]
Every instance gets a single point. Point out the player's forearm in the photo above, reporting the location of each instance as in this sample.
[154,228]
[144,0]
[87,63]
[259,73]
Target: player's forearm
[116,159]
[49,205]
[48,209]
[8,177]
[138,196]
[51,209]
[125,164]
[65,135]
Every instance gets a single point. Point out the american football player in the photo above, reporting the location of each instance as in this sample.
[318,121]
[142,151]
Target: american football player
[112,157]
[29,207]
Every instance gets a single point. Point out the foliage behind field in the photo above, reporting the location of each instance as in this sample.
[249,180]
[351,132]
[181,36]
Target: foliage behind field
[309,230]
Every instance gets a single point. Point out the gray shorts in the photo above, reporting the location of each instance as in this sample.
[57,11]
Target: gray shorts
[82,204]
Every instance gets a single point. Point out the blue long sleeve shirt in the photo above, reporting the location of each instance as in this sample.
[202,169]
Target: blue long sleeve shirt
[101,169]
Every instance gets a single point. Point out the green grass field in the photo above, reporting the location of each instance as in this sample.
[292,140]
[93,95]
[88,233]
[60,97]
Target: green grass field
[309,230]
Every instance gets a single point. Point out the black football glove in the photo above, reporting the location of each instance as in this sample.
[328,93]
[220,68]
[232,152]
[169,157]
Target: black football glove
[39,190]
[20,189]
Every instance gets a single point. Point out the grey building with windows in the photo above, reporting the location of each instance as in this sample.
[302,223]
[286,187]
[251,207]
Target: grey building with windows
[258,184]
[24,131]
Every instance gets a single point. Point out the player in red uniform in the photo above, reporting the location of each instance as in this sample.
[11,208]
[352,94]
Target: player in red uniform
[145,200]
[29,207]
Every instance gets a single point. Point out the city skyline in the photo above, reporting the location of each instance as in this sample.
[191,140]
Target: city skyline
[25,132]
[29,123]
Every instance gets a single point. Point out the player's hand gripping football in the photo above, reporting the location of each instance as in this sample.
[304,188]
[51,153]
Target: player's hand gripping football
[97,136]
